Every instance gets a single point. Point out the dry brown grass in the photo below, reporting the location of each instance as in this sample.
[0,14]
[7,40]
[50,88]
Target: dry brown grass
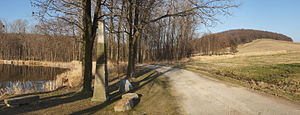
[268,45]
[268,65]
[156,99]
[258,47]
[72,77]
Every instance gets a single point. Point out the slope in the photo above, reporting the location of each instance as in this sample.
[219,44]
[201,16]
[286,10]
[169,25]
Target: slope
[268,45]
[271,66]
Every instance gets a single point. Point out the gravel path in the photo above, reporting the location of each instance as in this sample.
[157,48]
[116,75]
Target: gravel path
[200,95]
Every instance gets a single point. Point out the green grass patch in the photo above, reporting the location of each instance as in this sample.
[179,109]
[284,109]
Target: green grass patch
[276,74]
[269,73]
[279,79]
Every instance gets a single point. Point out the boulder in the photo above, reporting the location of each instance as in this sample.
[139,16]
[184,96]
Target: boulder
[123,105]
[8,62]
[127,102]
[263,84]
[130,96]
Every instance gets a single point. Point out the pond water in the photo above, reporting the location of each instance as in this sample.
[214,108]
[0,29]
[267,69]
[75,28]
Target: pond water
[18,79]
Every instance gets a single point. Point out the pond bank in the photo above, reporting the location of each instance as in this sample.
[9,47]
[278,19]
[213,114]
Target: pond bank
[152,88]
[41,63]
[69,78]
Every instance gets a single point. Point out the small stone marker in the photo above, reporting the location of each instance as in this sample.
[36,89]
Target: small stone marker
[127,102]
[125,85]
[17,101]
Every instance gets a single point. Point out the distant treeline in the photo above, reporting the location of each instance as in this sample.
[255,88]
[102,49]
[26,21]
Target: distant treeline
[66,48]
[227,41]
[38,47]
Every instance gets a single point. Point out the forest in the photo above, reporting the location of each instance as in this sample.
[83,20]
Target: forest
[38,47]
[62,48]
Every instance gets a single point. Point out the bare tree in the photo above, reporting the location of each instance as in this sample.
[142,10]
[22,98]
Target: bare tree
[141,13]
[162,25]
[18,26]
[70,11]
[2,27]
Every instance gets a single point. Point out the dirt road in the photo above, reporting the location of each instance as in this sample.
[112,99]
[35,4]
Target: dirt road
[200,95]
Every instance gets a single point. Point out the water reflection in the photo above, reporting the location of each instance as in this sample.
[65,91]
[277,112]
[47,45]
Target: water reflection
[28,73]
[17,87]
[22,79]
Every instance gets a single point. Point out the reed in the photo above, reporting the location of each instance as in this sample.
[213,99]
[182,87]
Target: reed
[22,87]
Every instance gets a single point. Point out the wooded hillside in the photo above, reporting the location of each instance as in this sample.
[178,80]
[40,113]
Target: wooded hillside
[227,41]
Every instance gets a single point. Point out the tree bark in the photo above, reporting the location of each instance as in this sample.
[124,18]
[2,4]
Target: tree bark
[130,39]
[88,46]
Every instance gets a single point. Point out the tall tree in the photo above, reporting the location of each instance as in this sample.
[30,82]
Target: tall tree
[139,16]
[89,34]
[205,10]
[87,24]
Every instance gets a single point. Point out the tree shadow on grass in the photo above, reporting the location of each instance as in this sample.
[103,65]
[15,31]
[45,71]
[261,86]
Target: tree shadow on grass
[69,97]
[38,93]
[116,96]
[44,103]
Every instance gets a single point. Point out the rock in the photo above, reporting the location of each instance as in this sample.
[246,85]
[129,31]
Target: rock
[263,84]
[123,105]
[127,102]
[17,101]
[125,85]
[130,96]
[8,62]
[252,82]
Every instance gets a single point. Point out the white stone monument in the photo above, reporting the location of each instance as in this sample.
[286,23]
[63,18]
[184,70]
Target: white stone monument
[100,82]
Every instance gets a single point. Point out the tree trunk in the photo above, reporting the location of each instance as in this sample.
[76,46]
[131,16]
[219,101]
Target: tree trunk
[133,37]
[88,46]
[87,67]
[130,39]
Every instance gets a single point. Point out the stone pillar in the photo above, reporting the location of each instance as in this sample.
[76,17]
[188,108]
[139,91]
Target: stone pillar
[100,79]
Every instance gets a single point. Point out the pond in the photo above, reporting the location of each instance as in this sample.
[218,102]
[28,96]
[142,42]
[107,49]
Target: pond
[15,79]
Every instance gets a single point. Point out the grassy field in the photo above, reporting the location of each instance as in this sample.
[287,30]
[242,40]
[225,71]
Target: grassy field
[267,65]
[156,99]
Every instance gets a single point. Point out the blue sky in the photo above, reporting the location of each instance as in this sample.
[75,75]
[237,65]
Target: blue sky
[11,10]
[281,16]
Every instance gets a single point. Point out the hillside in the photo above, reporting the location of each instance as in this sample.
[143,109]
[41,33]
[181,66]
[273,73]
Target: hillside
[267,65]
[268,45]
[248,35]
[215,44]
